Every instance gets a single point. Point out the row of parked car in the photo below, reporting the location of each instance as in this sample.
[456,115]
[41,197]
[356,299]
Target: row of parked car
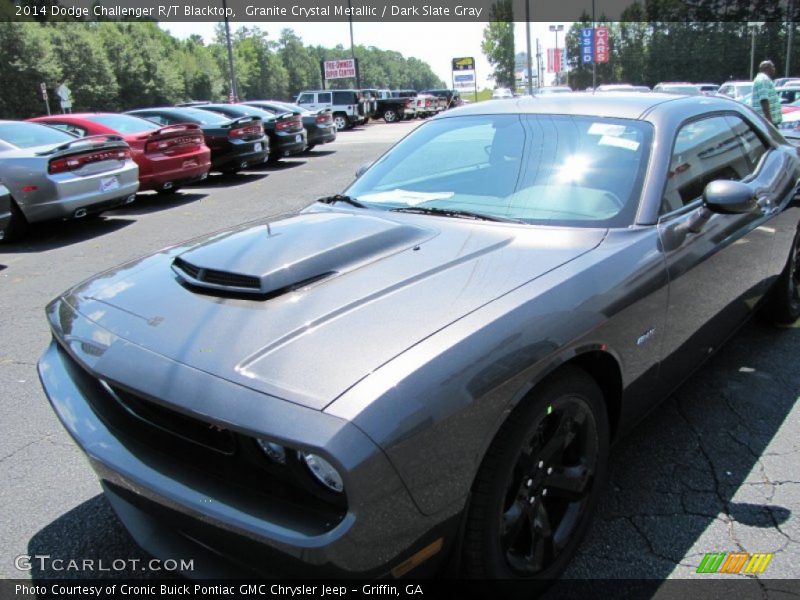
[353,107]
[72,165]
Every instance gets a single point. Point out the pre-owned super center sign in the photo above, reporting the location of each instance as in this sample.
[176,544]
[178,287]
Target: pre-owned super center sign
[339,69]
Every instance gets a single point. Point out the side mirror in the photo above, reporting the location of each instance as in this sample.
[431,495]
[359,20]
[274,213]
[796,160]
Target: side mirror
[729,197]
[363,169]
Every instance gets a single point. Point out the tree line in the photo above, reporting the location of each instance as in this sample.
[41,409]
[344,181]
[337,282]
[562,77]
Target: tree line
[113,66]
[647,52]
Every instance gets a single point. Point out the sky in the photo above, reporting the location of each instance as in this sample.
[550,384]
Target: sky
[435,43]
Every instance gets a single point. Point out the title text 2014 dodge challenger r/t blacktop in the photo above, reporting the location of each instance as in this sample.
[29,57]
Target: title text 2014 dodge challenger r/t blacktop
[430,367]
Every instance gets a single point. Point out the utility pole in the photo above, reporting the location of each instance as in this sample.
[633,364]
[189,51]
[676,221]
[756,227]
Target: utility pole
[234,92]
[352,46]
[528,41]
[538,63]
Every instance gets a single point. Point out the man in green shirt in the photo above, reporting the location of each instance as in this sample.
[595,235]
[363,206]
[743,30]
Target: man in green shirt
[765,99]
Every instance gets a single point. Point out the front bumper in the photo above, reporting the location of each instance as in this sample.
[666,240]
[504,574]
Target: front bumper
[255,533]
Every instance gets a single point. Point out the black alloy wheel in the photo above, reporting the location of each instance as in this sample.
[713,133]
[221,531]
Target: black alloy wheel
[538,485]
[783,307]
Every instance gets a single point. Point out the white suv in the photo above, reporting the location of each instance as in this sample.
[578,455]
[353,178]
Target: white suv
[349,107]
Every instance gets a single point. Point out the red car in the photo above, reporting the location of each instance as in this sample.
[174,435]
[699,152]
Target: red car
[168,157]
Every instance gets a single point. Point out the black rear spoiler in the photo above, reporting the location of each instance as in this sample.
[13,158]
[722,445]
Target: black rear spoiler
[242,121]
[95,140]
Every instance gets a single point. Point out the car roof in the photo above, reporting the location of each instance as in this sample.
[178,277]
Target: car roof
[622,105]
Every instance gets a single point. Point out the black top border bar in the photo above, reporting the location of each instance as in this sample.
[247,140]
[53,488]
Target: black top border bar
[243,11]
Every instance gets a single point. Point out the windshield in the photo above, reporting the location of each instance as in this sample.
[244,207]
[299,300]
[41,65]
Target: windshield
[543,169]
[29,135]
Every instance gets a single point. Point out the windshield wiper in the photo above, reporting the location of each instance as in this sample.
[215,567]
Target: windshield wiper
[448,212]
[341,198]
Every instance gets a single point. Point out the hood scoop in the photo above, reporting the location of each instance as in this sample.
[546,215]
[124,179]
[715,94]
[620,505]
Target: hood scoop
[278,257]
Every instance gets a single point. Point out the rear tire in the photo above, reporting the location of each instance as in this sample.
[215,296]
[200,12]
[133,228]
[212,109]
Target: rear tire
[340,121]
[390,116]
[536,490]
[17,225]
[783,306]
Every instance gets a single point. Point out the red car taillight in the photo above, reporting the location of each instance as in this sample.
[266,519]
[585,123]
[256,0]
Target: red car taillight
[76,161]
[324,119]
[282,125]
[168,145]
[240,132]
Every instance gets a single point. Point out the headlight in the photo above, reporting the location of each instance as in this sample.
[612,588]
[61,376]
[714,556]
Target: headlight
[324,471]
[275,452]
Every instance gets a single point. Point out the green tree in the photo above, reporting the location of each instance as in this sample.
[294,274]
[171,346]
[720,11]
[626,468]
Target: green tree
[85,66]
[498,43]
[26,60]
[301,66]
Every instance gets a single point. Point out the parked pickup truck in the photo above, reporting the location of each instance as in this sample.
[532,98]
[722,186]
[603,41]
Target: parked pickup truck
[396,109]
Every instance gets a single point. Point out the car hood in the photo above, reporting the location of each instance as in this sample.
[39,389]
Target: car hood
[304,306]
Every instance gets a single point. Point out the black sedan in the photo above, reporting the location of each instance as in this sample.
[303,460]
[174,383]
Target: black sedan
[235,142]
[317,123]
[429,369]
[286,133]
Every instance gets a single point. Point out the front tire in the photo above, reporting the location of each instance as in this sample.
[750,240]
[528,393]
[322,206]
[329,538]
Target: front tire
[537,487]
[783,307]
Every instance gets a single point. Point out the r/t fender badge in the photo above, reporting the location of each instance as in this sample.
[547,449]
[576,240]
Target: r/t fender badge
[645,336]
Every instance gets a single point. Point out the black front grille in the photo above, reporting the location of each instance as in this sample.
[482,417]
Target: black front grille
[171,421]
[221,278]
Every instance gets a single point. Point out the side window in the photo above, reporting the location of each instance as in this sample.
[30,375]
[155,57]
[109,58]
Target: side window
[340,98]
[754,148]
[69,128]
[324,98]
[725,89]
[704,151]
[306,99]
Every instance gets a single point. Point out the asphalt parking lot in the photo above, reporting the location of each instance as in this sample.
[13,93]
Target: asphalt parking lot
[713,469]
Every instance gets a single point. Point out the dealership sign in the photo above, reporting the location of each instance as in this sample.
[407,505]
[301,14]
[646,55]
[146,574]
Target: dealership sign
[594,45]
[601,44]
[340,69]
[555,60]
[464,73]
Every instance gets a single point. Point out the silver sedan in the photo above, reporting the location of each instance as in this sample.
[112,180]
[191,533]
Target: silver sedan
[51,174]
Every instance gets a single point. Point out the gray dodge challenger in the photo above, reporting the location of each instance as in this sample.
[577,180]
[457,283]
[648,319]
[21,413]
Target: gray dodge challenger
[426,372]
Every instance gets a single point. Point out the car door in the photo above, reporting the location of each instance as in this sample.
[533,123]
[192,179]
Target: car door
[718,273]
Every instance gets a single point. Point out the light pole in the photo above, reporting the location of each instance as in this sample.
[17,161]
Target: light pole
[234,92]
[556,29]
[753,25]
[789,37]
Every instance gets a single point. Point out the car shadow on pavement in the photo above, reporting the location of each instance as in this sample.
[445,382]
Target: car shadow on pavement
[313,153]
[229,179]
[148,203]
[89,531]
[41,237]
[283,164]
[706,471]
